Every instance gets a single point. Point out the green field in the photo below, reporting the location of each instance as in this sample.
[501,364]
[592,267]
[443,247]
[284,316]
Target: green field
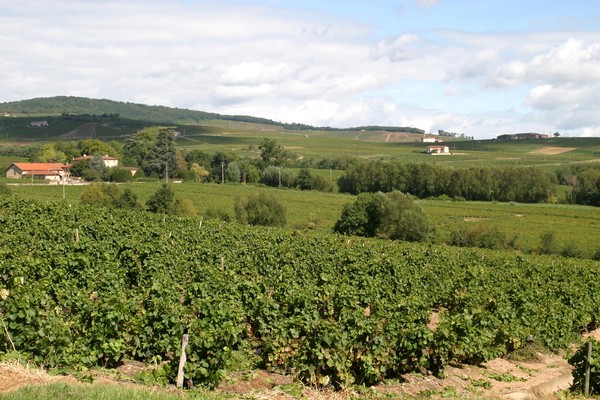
[310,209]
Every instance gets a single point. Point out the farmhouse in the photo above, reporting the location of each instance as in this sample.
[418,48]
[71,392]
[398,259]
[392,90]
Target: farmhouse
[50,171]
[38,124]
[523,136]
[430,139]
[109,162]
[437,150]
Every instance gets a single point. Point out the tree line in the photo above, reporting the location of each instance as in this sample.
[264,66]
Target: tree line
[522,184]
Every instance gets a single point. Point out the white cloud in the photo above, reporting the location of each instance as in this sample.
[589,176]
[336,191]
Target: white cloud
[297,65]
[427,3]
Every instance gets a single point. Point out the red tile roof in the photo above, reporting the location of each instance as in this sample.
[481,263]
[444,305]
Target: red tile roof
[37,167]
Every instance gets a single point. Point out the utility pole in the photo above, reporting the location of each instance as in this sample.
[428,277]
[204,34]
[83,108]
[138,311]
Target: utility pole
[222,171]
[279,176]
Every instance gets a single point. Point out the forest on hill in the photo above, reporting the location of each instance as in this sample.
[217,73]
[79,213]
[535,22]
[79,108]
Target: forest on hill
[58,105]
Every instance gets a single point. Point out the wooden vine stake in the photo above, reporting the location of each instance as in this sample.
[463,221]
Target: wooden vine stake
[76,235]
[182,360]
[588,366]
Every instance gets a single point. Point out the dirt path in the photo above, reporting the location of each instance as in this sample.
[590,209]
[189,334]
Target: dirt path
[497,379]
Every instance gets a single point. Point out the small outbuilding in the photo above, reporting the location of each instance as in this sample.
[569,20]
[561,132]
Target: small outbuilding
[437,150]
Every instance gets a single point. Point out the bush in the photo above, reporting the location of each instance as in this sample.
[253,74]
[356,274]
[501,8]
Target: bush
[107,195]
[481,236]
[548,243]
[571,250]
[394,215]
[164,201]
[273,176]
[119,174]
[578,362]
[322,184]
[260,209]
[4,190]
[305,180]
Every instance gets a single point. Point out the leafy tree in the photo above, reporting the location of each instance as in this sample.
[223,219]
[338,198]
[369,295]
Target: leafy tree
[199,157]
[119,174]
[272,153]
[198,172]
[233,173]
[162,200]
[49,154]
[100,194]
[405,219]
[97,164]
[183,207]
[305,180]
[162,157]
[277,176]
[137,146]
[260,209]
[70,148]
[322,184]
[128,199]
[219,162]
[480,236]
[107,195]
[587,188]
[394,216]
[95,146]
[250,173]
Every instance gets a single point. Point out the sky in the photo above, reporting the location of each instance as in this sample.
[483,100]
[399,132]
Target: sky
[478,67]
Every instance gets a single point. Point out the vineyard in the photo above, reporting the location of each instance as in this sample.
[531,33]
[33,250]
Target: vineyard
[82,286]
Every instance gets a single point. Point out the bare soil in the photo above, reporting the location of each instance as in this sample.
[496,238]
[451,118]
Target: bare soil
[553,150]
[542,378]
[497,379]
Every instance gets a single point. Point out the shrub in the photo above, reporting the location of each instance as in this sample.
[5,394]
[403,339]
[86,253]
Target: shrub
[571,250]
[107,195]
[260,209]
[164,201]
[394,215]
[4,189]
[119,174]
[305,180]
[273,176]
[322,184]
[481,236]
[548,243]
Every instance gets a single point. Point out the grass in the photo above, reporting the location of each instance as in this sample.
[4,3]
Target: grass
[65,391]
[571,224]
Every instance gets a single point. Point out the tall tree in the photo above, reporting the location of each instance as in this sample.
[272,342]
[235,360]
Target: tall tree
[137,146]
[49,154]
[272,153]
[162,157]
[95,146]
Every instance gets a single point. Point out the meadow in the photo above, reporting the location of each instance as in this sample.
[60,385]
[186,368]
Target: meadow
[571,224]
[527,222]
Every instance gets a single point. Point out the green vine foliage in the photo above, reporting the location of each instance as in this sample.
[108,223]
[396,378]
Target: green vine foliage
[579,363]
[331,310]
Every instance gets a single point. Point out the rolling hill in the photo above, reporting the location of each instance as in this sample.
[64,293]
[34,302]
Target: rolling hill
[59,105]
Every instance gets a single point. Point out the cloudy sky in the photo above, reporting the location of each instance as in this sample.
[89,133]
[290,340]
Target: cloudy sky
[480,67]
